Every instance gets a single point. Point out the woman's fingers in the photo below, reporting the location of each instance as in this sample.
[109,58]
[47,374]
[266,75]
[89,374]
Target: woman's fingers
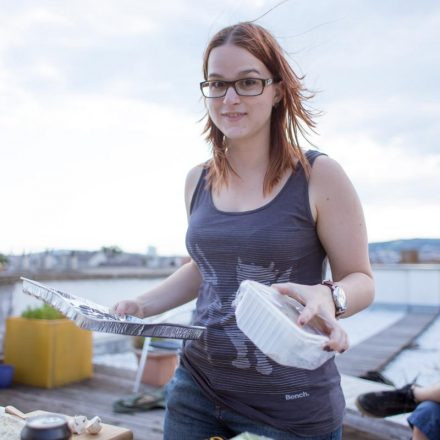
[123,308]
[118,309]
[284,288]
[289,289]
[338,339]
[308,313]
[317,313]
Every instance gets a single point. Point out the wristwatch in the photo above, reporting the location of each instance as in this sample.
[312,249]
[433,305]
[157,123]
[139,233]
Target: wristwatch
[338,296]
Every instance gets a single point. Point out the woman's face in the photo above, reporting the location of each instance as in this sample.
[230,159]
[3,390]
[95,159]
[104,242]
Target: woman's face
[240,117]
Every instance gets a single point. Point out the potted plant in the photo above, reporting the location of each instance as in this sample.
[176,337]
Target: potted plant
[161,362]
[46,349]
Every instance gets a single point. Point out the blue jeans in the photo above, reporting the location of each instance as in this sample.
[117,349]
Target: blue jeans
[190,415]
[427,418]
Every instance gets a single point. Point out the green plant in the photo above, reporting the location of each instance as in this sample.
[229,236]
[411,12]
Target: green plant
[43,312]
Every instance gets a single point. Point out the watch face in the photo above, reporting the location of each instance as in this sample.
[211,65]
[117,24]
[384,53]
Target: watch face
[340,298]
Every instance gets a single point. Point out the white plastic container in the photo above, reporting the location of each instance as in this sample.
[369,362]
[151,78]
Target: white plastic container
[268,319]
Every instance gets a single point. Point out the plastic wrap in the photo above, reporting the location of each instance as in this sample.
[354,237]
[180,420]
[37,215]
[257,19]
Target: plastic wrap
[268,319]
[91,316]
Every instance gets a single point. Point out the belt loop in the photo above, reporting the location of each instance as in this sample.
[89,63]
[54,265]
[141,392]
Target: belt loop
[218,411]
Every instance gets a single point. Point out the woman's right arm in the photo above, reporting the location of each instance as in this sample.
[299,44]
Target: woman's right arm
[179,288]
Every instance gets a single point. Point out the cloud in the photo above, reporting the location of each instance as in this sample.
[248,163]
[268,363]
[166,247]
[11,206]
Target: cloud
[387,172]
[99,103]
[83,171]
[411,122]
[100,47]
[400,221]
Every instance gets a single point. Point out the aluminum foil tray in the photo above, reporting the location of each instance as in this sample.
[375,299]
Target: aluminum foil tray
[91,316]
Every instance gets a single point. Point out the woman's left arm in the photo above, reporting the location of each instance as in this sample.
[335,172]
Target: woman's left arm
[340,224]
[341,228]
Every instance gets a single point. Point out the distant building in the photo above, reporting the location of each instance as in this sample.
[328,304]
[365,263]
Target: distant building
[151,251]
[409,256]
[62,261]
[412,251]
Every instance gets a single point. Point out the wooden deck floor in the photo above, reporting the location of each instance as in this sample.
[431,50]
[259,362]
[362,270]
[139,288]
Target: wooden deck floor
[95,396]
[90,397]
[376,352]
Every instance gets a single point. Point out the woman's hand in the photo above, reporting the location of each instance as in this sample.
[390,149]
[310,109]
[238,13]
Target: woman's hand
[319,312]
[127,307]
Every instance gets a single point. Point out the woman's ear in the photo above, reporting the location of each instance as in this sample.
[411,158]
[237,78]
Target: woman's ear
[279,93]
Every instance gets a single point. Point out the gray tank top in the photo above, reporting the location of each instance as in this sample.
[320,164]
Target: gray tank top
[275,243]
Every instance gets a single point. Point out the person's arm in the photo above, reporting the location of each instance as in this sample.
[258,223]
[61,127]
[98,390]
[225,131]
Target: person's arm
[343,233]
[341,229]
[179,288]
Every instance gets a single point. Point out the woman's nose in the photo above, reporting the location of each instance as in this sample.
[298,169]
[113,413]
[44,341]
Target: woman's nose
[231,96]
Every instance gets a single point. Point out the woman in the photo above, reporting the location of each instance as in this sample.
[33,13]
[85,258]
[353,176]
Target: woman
[260,209]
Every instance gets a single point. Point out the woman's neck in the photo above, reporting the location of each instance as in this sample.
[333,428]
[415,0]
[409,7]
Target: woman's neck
[249,156]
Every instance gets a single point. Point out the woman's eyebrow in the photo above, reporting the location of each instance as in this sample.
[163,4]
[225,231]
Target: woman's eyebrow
[243,72]
[214,75]
[247,71]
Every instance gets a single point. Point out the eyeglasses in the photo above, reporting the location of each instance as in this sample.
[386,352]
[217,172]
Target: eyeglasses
[243,87]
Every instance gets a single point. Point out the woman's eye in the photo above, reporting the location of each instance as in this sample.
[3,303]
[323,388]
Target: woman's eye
[217,84]
[249,82]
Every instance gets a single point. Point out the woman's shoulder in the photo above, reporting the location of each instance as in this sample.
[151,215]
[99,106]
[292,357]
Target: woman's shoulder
[193,175]
[323,167]
[329,182]
[192,179]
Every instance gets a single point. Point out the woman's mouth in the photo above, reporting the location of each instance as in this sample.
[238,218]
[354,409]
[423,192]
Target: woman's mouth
[233,116]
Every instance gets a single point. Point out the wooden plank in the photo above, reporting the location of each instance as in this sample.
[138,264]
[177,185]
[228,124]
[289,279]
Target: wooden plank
[377,351]
[349,433]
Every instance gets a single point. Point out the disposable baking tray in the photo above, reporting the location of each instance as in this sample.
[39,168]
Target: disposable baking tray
[90,316]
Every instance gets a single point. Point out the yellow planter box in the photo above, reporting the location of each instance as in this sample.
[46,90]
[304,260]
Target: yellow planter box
[47,353]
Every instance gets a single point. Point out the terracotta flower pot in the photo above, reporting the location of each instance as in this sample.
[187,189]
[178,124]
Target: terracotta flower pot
[159,368]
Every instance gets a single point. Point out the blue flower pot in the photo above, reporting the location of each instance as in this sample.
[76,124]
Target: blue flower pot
[6,375]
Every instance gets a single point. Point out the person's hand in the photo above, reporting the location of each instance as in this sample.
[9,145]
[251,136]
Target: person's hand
[127,307]
[318,312]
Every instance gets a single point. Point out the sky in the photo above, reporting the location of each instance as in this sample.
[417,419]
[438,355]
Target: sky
[100,112]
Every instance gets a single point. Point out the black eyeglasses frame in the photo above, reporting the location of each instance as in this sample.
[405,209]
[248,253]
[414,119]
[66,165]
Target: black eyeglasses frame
[264,82]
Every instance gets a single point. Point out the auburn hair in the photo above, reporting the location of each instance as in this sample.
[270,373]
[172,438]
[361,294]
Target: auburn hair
[289,117]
